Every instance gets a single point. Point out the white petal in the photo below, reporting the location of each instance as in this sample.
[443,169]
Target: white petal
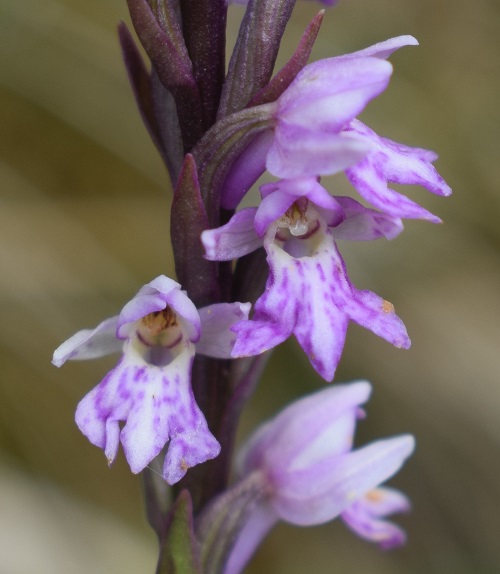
[89,343]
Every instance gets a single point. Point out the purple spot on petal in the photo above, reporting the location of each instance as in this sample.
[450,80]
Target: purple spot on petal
[140,374]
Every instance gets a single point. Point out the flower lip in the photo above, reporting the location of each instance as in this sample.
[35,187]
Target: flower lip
[308,292]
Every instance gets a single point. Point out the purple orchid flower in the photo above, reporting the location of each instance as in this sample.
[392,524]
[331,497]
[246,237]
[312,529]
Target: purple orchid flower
[158,331]
[315,133]
[310,474]
[308,292]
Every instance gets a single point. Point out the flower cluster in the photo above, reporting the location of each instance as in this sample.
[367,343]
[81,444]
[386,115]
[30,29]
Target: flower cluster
[315,132]
[217,133]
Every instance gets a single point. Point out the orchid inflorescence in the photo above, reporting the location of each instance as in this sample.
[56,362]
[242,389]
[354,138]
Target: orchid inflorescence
[191,352]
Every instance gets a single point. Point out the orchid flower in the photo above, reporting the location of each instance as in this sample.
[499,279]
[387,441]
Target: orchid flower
[158,332]
[316,133]
[308,291]
[310,474]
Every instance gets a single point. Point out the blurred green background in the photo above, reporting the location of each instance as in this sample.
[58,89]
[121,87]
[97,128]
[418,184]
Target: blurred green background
[84,222]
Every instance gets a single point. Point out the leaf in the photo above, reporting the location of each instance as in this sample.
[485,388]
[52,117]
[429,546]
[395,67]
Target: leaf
[219,148]
[188,219]
[221,522]
[169,56]
[179,553]
[252,62]
[140,81]
[165,111]
[287,74]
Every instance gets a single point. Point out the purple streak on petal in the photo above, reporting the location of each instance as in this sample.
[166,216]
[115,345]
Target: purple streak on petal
[364,224]
[372,186]
[108,400]
[255,337]
[365,517]
[233,240]
[374,313]
[383,49]
[246,170]
[156,404]
[89,343]
[321,324]
[216,338]
[383,532]
[188,449]
[324,490]
[274,316]
[397,163]
[148,424]
[261,521]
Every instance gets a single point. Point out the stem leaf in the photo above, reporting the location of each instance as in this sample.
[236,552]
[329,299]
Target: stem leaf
[179,551]
[188,219]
